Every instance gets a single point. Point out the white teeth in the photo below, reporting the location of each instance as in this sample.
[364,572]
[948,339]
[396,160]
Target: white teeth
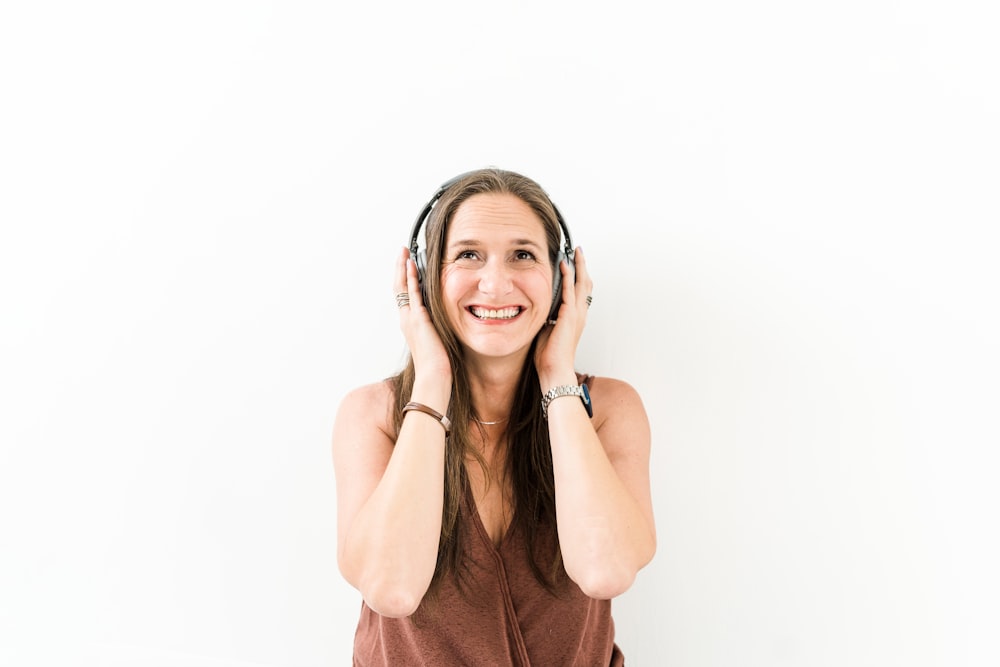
[501,314]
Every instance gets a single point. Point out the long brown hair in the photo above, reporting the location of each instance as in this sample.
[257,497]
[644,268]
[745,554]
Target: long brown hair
[529,459]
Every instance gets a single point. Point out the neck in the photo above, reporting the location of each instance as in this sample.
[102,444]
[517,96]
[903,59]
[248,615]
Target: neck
[493,386]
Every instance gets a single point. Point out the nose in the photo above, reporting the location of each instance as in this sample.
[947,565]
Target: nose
[495,279]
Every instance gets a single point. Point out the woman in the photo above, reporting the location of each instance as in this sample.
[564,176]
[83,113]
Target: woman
[485,516]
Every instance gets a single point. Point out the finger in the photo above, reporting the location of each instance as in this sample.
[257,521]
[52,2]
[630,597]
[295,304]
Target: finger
[402,292]
[568,285]
[412,283]
[543,336]
[580,260]
[584,283]
[399,278]
[568,277]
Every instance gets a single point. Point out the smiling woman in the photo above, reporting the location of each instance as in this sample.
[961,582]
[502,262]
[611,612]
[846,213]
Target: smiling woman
[483,520]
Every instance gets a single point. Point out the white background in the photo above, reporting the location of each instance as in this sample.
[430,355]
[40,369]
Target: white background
[790,213]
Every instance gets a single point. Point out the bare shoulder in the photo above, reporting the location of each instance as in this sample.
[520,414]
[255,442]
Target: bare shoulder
[362,443]
[376,391]
[612,390]
[364,421]
[619,416]
[365,408]
[611,397]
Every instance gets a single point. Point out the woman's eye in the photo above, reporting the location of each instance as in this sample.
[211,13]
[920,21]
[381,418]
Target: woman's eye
[524,255]
[466,254]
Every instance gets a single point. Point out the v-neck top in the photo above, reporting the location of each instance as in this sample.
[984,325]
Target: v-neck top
[502,616]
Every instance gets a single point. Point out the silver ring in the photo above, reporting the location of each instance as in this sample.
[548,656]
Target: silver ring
[402,299]
[589,300]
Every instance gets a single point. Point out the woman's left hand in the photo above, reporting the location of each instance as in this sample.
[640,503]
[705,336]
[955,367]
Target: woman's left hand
[555,353]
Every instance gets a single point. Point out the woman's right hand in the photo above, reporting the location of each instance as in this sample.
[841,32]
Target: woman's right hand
[425,345]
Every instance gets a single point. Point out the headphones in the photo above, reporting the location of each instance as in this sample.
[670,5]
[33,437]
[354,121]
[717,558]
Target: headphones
[419,256]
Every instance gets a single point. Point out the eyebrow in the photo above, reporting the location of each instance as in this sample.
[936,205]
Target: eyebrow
[475,242]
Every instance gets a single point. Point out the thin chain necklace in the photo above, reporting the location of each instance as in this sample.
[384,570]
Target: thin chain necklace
[480,421]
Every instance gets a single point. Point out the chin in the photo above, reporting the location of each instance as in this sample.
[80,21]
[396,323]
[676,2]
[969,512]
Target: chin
[496,349]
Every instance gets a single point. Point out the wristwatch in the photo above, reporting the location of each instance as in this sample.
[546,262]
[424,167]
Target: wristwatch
[567,390]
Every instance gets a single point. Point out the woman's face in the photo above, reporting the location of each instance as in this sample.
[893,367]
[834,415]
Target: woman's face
[496,280]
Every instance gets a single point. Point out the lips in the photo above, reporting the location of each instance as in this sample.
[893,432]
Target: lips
[507,313]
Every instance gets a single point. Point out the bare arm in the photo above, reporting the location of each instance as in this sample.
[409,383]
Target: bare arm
[390,495]
[389,500]
[603,505]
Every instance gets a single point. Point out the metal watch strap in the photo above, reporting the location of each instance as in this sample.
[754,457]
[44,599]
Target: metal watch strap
[567,390]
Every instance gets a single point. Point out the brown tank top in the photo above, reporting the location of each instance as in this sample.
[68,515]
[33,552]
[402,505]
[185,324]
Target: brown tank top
[503,616]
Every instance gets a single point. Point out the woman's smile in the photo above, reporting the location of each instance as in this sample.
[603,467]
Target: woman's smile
[495,315]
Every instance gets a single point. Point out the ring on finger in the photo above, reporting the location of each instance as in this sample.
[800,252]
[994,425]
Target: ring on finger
[402,299]
[590,299]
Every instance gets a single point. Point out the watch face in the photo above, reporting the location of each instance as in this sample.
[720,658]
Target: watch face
[586,401]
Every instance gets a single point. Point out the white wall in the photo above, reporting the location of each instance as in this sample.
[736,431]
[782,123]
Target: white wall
[790,211]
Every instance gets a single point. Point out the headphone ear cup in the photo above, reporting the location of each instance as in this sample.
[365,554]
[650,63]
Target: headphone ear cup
[421,261]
